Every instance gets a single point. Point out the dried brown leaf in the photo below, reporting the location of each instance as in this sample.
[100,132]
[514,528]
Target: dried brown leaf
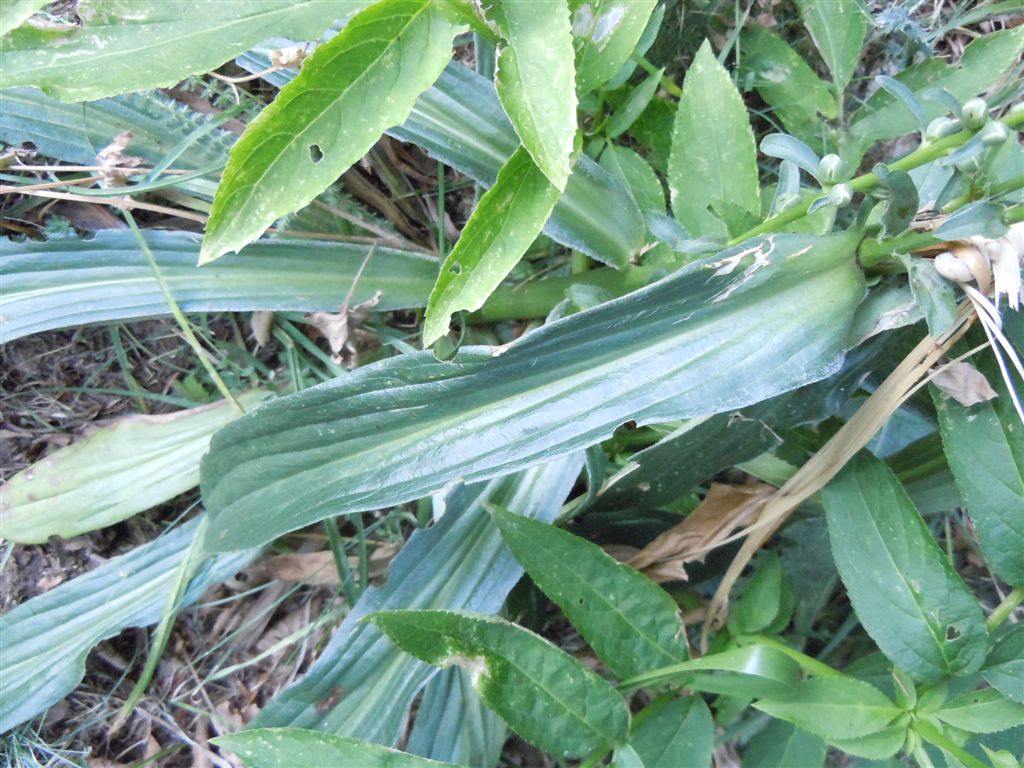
[113,161]
[260,323]
[338,327]
[318,568]
[964,383]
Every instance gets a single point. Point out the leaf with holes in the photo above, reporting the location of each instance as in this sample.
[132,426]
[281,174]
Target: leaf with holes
[545,695]
[909,599]
[535,78]
[354,87]
[631,623]
[506,221]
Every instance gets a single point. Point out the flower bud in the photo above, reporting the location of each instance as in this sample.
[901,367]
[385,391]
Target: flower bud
[974,113]
[941,127]
[1016,110]
[840,195]
[994,134]
[830,169]
[951,268]
[970,165]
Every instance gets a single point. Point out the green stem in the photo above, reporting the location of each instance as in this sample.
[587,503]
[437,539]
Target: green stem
[348,586]
[666,82]
[179,316]
[1004,609]
[934,736]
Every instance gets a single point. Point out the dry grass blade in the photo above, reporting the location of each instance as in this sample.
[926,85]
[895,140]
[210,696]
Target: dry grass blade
[830,459]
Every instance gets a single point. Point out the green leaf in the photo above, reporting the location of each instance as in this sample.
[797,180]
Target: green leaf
[675,733]
[379,437]
[14,13]
[460,562]
[133,45]
[983,218]
[1004,667]
[783,79]
[932,292]
[59,283]
[984,711]
[535,79]
[902,203]
[984,444]
[632,624]
[838,28]
[761,601]
[834,708]
[299,748]
[545,695]
[605,32]
[626,757]
[983,63]
[783,745]
[786,147]
[908,598]
[634,105]
[506,221]
[712,141]
[126,467]
[46,639]
[877,746]
[453,725]
[637,176]
[349,91]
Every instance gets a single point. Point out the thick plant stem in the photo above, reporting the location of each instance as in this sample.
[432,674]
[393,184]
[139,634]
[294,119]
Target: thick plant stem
[1004,609]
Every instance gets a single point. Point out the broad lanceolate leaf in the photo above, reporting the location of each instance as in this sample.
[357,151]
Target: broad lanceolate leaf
[132,45]
[507,219]
[984,711]
[59,283]
[124,468]
[544,694]
[14,13]
[354,87]
[736,328]
[838,28]
[984,444]
[783,745]
[299,748]
[453,725]
[632,624]
[903,589]
[1004,667]
[605,32]
[46,640]
[676,733]
[362,685]
[535,78]
[834,708]
[712,142]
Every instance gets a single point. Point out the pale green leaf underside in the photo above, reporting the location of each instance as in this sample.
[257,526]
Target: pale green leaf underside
[838,28]
[14,13]
[726,331]
[506,221]
[121,469]
[605,32]
[348,93]
[834,708]
[535,78]
[632,624]
[300,748]
[911,602]
[46,639]
[712,144]
[544,694]
[132,45]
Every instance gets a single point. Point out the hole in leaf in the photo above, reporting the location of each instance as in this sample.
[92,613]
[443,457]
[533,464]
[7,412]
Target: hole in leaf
[315,153]
[952,633]
[581,601]
[455,268]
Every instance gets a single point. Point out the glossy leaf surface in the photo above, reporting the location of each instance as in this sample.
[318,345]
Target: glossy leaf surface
[834,708]
[908,598]
[631,623]
[547,696]
[361,82]
[605,32]
[723,332]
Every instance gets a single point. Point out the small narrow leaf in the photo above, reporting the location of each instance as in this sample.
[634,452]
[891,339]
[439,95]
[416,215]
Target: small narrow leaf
[909,599]
[838,28]
[903,200]
[637,177]
[984,711]
[712,141]
[932,292]
[631,623]
[299,748]
[676,733]
[506,221]
[786,147]
[834,708]
[906,97]
[634,105]
[605,32]
[132,46]
[877,746]
[545,695]
[536,81]
[354,87]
